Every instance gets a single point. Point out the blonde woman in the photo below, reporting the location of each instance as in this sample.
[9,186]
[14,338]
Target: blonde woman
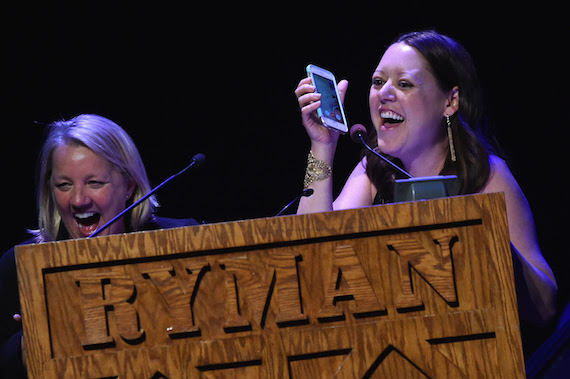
[89,171]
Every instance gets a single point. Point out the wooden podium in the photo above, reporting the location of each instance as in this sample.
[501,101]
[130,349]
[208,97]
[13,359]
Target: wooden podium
[409,290]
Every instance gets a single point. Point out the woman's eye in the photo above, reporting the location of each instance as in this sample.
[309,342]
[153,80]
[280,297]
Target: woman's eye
[95,184]
[404,84]
[377,82]
[63,186]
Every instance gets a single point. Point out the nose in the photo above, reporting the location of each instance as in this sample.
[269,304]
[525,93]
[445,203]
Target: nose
[386,93]
[79,198]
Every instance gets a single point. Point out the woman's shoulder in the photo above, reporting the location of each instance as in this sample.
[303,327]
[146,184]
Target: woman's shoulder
[8,278]
[498,162]
[501,178]
[9,256]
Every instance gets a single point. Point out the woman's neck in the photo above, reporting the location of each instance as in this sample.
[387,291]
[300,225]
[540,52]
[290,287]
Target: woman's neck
[428,163]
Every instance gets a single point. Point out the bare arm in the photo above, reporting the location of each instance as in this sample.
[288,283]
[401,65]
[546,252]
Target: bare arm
[323,144]
[536,285]
[358,191]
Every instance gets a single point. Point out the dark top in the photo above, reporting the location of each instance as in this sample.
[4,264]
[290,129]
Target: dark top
[378,199]
[11,365]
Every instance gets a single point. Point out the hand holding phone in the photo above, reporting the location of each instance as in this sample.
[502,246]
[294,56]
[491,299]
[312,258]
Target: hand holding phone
[331,111]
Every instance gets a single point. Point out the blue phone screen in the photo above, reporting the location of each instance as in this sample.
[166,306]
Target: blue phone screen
[330,104]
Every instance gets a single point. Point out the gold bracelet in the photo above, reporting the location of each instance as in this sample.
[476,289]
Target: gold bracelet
[316,170]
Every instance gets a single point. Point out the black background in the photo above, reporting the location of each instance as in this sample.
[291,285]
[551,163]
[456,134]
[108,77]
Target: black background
[218,78]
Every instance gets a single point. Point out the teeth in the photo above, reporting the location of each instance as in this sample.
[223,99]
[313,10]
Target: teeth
[84,215]
[391,115]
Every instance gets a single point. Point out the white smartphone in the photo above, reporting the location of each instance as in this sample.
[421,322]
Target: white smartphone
[331,111]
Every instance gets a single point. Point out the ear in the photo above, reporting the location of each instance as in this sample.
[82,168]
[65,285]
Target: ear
[131,187]
[452,102]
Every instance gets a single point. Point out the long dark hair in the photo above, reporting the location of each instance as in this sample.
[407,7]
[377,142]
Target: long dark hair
[451,66]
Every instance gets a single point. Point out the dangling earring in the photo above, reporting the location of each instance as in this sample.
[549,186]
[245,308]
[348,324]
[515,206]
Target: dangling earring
[450,137]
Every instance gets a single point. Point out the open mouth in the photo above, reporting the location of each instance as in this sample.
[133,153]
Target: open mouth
[87,222]
[391,117]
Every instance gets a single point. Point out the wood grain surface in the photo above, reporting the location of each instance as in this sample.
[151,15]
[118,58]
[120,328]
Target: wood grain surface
[420,289]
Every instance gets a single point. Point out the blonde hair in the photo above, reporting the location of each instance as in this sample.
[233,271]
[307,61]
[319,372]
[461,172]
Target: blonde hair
[106,139]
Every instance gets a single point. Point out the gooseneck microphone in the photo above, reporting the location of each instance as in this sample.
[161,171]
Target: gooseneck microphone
[197,160]
[307,192]
[358,134]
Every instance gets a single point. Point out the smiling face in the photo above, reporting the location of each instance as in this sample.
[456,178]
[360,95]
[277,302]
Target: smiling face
[407,106]
[88,190]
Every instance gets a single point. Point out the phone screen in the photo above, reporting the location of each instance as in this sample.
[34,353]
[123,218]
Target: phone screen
[330,104]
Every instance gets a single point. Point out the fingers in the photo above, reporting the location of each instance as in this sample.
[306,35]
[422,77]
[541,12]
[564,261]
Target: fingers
[304,81]
[305,86]
[307,110]
[309,100]
[307,97]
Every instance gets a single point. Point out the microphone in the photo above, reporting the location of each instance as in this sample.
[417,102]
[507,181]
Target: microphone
[307,192]
[358,134]
[197,160]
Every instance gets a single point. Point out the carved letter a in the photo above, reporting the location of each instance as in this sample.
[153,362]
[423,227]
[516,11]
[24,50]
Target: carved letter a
[347,268]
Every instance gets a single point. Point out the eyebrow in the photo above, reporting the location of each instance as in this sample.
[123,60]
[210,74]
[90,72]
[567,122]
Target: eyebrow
[399,73]
[99,177]
[59,177]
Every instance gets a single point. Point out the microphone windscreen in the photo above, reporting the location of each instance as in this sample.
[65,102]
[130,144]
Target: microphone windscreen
[199,159]
[356,130]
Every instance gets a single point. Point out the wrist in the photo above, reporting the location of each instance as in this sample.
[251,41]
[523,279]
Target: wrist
[323,152]
[317,170]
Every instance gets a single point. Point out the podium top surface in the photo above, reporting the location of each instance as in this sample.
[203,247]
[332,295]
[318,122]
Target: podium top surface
[274,230]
